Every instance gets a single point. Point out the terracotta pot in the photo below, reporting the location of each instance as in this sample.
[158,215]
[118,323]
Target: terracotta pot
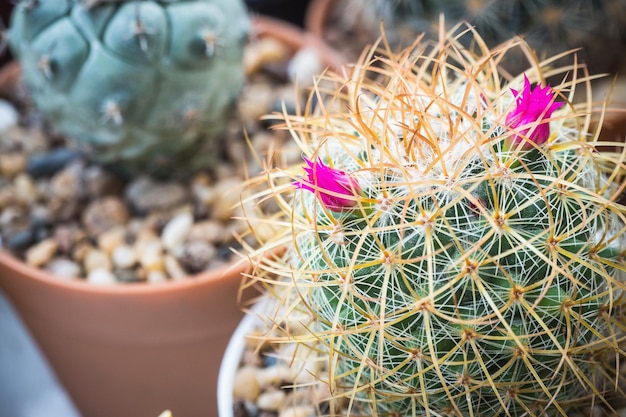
[136,349]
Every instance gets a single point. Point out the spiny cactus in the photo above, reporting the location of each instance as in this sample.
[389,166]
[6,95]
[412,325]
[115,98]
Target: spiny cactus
[455,237]
[549,26]
[137,82]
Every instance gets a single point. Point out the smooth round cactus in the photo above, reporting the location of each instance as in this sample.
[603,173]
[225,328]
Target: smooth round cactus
[139,82]
[455,237]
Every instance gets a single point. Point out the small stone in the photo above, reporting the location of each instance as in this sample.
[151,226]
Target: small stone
[146,195]
[123,256]
[25,190]
[246,387]
[67,237]
[101,277]
[229,190]
[49,163]
[271,400]
[298,411]
[129,275]
[208,231]
[196,255]
[98,182]
[304,66]
[63,268]
[104,214]
[68,183]
[9,115]
[111,239]
[262,52]
[175,232]
[156,277]
[275,375]
[174,269]
[41,253]
[20,240]
[96,259]
[12,164]
[149,252]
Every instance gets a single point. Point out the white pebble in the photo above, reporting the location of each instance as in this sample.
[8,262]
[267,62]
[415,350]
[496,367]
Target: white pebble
[156,277]
[298,411]
[174,269]
[274,375]
[271,400]
[123,256]
[41,253]
[63,268]
[175,231]
[9,115]
[246,386]
[96,259]
[149,252]
[101,276]
[304,66]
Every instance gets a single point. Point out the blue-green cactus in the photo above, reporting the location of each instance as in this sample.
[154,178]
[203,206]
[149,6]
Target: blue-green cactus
[142,83]
[455,239]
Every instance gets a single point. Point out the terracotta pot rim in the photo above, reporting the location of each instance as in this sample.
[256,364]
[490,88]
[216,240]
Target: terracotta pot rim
[224,272]
[315,16]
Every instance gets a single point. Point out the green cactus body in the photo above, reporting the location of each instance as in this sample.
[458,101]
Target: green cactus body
[142,83]
[463,276]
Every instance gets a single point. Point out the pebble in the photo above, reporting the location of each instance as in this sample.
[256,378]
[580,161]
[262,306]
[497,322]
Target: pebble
[271,400]
[68,183]
[98,182]
[208,231]
[175,232]
[156,277]
[298,411]
[103,214]
[147,195]
[229,190]
[262,52]
[111,239]
[174,268]
[20,240]
[149,252]
[196,255]
[41,253]
[96,259]
[9,115]
[12,164]
[124,256]
[101,276]
[24,189]
[304,66]
[246,385]
[49,163]
[64,268]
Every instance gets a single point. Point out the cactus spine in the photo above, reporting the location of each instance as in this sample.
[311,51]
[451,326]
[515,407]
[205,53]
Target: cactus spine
[142,83]
[454,237]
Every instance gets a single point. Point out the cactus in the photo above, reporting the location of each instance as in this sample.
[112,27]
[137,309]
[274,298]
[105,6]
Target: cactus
[455,238]
[550,27]
[141,84]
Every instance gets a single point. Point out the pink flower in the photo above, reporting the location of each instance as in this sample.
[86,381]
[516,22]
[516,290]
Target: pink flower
[533,107]
[330,184]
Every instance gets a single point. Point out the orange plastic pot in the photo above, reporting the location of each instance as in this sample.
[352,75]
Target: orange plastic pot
[135,350]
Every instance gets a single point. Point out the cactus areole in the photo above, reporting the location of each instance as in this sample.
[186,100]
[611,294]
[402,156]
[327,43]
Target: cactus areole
[457,243]
[140,83]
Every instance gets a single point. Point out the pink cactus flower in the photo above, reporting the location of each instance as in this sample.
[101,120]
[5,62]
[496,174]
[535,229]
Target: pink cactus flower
[533,107]
[330,184]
